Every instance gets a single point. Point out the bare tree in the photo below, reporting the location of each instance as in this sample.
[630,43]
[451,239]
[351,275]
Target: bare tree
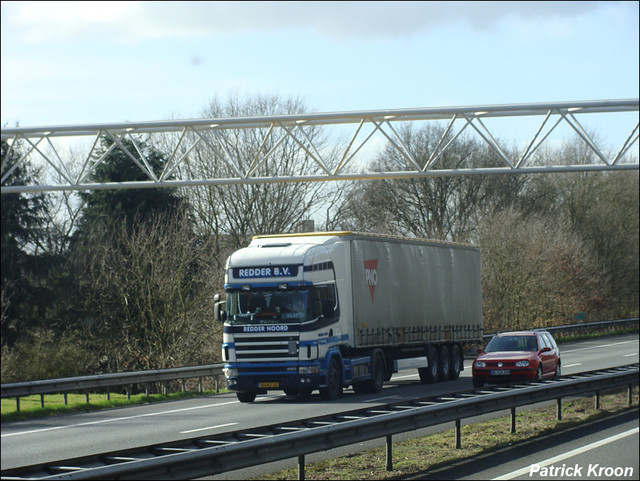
[441,207]
[236,212]
[148,291]
[535,272]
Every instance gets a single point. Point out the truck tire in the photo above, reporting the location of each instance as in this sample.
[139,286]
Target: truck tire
[429,374]
[445,363]
[378,376]
[246,397]
[334,381]
[456,362]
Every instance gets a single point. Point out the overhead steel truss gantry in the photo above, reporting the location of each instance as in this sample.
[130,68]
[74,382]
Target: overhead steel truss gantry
[187,136]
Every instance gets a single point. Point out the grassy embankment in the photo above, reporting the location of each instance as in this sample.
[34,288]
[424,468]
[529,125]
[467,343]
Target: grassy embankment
[427,454]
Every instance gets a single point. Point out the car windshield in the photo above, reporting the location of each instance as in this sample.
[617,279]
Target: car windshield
[512,343]
[270,305]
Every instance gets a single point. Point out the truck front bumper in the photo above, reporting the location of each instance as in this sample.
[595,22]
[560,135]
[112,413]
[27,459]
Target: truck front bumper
[265,378]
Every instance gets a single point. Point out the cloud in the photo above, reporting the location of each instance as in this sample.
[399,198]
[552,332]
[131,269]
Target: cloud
[129,22]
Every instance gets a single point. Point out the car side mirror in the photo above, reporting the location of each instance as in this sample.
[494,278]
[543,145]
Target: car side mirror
[546,349]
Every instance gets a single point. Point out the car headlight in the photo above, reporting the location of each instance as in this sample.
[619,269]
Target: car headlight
[522,364]
[229,372]
[479,364]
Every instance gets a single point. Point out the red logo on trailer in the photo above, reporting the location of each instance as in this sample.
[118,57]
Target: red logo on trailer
[371,275]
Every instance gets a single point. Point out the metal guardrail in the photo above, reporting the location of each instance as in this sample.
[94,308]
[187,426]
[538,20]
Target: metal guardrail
[581,327]
[203,456]
[100,381]
[105,381]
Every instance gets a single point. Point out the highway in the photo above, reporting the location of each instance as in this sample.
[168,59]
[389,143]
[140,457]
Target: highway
[50,439]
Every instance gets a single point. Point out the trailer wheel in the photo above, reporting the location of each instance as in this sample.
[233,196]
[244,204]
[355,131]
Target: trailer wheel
[246,397]
[445,363]
[456,362]
[429,374]
[334,381]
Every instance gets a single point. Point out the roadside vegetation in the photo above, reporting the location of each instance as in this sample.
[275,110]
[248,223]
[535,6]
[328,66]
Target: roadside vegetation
[123,280]
[426,455]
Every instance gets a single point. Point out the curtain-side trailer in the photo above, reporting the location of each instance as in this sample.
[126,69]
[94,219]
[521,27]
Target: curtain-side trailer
[329,310]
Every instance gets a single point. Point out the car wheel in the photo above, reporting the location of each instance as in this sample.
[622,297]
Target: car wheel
[558,369]
[539,374]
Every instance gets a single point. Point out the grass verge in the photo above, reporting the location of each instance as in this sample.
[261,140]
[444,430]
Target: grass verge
[415,456]
[54,403]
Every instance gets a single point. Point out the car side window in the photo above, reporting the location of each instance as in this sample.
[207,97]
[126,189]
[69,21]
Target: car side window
[550,342]
[543,341]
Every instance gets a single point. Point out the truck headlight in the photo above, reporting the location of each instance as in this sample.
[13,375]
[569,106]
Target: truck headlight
[522,364]
[230,372]
[306,370]
[479,364]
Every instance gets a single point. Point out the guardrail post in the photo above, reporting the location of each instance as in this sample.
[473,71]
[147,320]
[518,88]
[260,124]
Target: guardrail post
[629,395]
[108,395]
[128,388]
[66,398]
[559,409]
[301,467]
[42,401]
[86,394]
[458,435]
[389,453]
[513,420]
[597,401]
[18,403]
[200,384]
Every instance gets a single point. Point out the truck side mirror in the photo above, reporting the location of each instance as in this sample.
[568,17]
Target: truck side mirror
[219,314]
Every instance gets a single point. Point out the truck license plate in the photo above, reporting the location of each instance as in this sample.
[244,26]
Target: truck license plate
[269,384]
[500,372]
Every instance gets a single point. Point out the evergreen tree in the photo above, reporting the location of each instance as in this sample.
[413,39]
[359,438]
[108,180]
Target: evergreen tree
[22,222]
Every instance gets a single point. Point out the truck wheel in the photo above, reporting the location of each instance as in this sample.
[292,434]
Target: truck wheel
[445,363]
[334,381]
[429,374]
[456,362]
[378,375]
[246,397]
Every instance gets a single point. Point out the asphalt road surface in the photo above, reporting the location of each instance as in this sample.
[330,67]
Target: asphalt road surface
[50,439]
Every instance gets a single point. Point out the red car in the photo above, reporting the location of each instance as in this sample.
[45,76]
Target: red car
[517,356]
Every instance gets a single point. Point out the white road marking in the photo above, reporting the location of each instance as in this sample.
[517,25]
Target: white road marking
[125,418]
[572,365]
[568,454]
[596,347]
[632,354]
[207,428]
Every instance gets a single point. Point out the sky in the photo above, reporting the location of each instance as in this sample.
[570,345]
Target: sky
[97,62]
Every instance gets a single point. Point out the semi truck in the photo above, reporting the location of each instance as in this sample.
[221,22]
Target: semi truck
[328,310]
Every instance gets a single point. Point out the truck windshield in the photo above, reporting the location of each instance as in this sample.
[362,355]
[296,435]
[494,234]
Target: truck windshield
[270,305]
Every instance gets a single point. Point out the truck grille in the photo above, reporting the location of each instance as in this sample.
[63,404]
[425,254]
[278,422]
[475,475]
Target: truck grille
[266,348]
